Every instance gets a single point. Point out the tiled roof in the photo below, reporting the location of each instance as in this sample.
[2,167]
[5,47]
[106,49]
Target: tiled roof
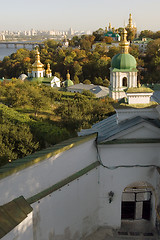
[108,127]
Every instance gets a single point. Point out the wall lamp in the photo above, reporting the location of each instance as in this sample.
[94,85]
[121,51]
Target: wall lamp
[110,196]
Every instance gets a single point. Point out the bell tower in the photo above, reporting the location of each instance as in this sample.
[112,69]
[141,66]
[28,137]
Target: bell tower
[123,72]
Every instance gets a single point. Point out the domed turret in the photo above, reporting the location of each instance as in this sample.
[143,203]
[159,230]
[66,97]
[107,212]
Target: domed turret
[48,71]
[37,65]
[123,72]
[68,81]
[37,70]
[124,60]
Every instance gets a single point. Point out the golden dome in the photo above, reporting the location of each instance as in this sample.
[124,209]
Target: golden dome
[48,71]
[37,65]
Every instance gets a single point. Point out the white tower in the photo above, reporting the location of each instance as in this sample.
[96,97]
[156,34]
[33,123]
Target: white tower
[123,72]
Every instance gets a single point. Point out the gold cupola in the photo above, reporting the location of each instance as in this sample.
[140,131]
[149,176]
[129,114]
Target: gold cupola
[48,71]
[37,65]
[124,44]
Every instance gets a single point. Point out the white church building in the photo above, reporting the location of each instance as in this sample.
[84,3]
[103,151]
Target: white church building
[107,175]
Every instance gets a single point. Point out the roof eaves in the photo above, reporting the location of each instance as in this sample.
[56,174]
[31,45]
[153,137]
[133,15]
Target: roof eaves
[42,155]
[12,214]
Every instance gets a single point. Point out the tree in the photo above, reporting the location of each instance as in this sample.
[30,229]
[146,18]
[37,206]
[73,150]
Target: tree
[76,79]
[98,81]
[38,101]
[98,34]
[85,44]
[74,42]
[130,34]
[108,39]
[106,82]
[50,43]
[86,81]
[113,51]
[16,141]
[146,33]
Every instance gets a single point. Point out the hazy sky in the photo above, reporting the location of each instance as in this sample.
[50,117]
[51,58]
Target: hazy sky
[80,15]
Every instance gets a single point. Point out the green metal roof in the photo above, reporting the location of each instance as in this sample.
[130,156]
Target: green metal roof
[123,61]
[68,83]
[13,213]
[42,155]
[111,34]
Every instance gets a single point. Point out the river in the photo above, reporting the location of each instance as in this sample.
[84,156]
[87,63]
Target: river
[11,49]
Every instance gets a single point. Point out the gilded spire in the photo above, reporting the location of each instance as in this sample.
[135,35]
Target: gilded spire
[130,25]
[110,27]
[37,57]
[124,44]
[68,75]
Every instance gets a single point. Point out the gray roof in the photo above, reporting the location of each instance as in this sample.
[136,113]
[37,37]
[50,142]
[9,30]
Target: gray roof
[156,96]
[108,127]
[82,86]
[99,91]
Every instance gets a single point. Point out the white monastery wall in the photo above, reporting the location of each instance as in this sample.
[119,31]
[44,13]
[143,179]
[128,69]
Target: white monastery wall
[67,214]
[130,154]
[44,174]
[116,181]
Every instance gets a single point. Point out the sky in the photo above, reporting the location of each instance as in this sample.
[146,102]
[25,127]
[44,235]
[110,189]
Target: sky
[79,15]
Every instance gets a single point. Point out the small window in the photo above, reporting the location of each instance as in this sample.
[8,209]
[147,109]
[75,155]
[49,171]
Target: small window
[124,83]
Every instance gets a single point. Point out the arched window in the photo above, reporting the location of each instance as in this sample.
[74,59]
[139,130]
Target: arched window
[124,82]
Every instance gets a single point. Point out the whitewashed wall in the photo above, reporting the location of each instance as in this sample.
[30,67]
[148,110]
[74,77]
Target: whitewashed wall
[68,213]
[38,177]
[117,180]
[78,208]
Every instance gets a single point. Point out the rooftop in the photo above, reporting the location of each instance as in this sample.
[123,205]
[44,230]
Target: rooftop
[109,127]
[20,164]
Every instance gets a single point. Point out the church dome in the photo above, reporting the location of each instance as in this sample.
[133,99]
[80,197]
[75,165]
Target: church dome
[68,83]
[23,76]
[123,61]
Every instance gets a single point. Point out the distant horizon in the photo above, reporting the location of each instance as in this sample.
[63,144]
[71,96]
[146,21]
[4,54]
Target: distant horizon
[87,15]
[65,30]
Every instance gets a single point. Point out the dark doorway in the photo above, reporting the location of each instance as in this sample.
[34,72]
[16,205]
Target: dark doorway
[128,210]
[136,205]
[146,210]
